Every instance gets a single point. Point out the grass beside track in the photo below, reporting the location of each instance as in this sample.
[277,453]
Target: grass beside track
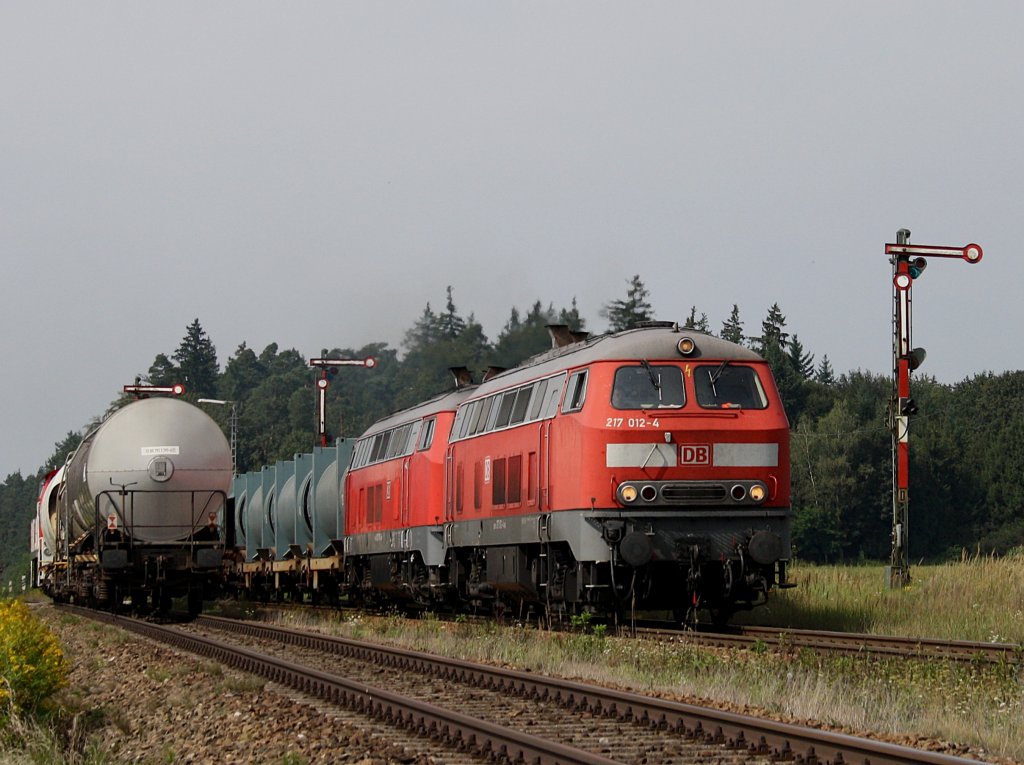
[976,598]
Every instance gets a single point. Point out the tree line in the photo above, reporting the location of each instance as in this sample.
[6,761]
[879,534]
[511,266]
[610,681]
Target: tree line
[967,448]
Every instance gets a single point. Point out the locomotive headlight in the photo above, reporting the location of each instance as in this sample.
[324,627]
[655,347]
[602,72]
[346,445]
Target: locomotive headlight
[686,346]
[627,493]
[758,492]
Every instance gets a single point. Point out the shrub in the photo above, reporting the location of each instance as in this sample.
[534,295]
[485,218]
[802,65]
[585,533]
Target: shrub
[32,664]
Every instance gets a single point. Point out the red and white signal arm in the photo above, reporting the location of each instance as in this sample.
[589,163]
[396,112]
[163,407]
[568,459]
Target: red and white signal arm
[369,361]
[972,252]
[175,390]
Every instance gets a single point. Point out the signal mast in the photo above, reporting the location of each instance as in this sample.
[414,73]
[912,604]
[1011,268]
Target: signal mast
[908,262]
[328,370]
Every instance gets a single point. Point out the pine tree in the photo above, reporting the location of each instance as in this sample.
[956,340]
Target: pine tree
[242,374]
[824,373]
[772,331]
[802,362]
[732,328]
[451,324]
[571,317]
[197,361]
[162,371]
[424,333]
[701,324]
[623,314]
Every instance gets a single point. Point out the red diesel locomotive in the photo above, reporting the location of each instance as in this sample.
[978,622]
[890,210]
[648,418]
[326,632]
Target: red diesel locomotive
[643,470]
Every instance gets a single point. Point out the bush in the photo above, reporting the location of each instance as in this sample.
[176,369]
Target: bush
[32,664]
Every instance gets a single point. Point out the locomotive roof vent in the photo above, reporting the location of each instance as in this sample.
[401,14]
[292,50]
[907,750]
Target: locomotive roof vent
[493,372]
[652,323]
[561,336]
[463,377]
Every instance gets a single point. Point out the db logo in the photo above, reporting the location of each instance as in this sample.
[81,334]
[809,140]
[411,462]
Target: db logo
[695,454]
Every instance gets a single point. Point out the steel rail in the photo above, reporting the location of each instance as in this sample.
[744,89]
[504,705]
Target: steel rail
[756,736]
[456,729]
[847,642]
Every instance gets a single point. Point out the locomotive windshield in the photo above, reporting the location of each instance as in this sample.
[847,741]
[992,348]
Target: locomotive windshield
[648,387]
[722,386]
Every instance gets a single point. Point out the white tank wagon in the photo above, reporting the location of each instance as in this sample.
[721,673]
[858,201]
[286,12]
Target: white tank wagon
[142,507]
[160,466]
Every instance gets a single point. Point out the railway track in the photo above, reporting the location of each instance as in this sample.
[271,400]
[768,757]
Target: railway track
[844,642]
[711,734]
[824,640]
[643,729]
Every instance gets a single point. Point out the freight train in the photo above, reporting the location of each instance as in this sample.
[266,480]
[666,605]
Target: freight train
[135,512]
[636,471]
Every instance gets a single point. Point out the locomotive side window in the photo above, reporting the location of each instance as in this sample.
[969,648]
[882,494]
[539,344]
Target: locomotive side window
[576,393]
[458,424]
[505,409]
[553,395]
[521,404]
[538,398]
[721,386]
[483,411]
[527,403]
[427,437]
[648,387]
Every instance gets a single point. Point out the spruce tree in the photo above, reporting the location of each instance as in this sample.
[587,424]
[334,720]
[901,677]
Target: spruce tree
[824,373]
[732,328]
[623,314]
[197,361]
[700,325]
[773,335]
[802,362]
[162,371]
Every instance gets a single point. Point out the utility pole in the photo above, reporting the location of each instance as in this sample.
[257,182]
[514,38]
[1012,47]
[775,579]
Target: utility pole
[328,369]
[908,262]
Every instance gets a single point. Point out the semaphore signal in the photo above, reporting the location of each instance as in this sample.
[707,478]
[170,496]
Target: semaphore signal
[328,370]
[908,263]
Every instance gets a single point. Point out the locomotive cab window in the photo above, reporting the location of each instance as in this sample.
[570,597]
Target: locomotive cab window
[722,386]
[648,386]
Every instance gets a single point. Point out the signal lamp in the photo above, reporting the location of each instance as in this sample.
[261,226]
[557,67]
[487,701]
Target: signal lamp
[758,492]
[908,407]
[916,266]
[902,281]
[322,383]
[686,346]
[648,493]
[627,493]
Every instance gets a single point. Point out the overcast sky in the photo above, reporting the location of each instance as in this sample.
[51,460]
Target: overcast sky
[312,174]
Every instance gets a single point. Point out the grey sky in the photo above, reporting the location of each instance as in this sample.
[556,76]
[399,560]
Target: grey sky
[313,174]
